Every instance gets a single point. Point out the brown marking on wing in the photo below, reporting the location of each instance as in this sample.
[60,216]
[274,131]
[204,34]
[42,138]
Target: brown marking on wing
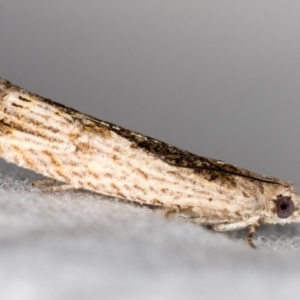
[245,194]
[223,178]
[17,105]
[116,158]
[95,175]
[51,157]
[99,129]
[117,149]
[56,165]
[5,129]
[24,99]
[137,186]
[142,173]
[117,191]
[24,156]
[74,173]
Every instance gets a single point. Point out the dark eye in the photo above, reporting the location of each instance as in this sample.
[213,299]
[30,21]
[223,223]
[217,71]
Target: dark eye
[284,207]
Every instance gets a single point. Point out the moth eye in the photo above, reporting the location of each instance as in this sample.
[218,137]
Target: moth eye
[284,207]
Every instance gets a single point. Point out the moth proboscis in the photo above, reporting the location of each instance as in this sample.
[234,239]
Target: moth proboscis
[84,152]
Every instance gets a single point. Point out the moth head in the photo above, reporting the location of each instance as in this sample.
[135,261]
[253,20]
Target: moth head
[287,209]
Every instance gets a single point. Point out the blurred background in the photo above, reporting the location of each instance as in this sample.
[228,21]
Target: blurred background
[217,78]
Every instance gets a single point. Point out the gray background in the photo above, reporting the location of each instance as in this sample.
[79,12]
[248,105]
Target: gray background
[217,78]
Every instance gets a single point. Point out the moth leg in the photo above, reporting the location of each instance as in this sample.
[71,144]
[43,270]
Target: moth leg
[58,188]
[189,213]
[252,229]
[170,211]
[182,212]
[238,225]
[44,182]
[51,189]
[253,223]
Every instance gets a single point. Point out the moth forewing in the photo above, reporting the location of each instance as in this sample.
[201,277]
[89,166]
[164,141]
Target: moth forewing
[84,152]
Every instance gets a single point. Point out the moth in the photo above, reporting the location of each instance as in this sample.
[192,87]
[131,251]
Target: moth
[84,152]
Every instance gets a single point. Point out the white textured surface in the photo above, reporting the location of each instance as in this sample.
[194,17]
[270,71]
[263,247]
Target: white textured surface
[77,245]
